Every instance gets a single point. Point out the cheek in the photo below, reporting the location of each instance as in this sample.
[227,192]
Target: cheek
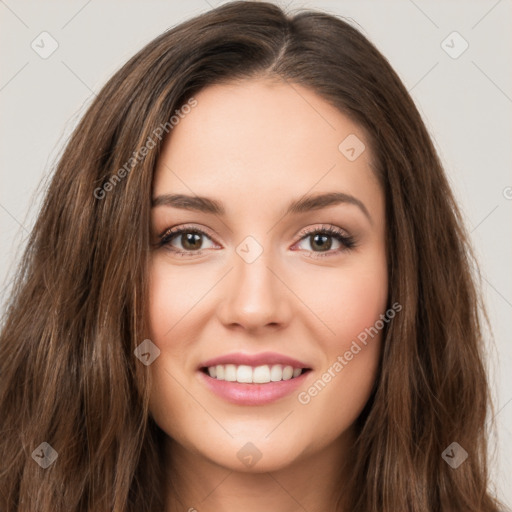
[358,305]
[346,301]
[351,304]
[173,293]
[174,306]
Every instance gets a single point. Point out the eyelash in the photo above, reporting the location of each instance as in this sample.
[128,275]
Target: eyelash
[347,241]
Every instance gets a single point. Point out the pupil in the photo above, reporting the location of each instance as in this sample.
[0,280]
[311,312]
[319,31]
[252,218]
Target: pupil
[325,238]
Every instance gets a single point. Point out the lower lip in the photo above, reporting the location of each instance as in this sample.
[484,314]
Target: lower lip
[253,394]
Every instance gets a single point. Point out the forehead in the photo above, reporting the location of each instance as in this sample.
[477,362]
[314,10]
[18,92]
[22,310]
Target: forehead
[262,141]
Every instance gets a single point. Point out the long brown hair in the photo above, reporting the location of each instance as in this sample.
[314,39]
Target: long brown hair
[78,306]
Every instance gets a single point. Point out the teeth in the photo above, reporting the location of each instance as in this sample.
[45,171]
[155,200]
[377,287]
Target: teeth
[244,373]
[287,373]
[261,374]
[230,372]
[276,373]
[257,375]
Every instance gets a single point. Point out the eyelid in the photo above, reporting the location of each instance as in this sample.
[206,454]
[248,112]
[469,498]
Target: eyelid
[180,227]
[323,228]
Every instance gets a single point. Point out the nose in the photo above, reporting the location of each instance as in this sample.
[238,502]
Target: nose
[254,296]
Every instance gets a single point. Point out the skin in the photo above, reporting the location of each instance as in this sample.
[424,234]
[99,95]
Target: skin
[255,146]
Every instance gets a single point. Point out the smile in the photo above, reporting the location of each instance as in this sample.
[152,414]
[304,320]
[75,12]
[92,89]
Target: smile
[253,379]
[253,375]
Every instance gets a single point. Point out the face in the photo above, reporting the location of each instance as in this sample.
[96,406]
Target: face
[252,286]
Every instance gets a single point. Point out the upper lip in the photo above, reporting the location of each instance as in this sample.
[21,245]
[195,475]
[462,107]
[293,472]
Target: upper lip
[260,359]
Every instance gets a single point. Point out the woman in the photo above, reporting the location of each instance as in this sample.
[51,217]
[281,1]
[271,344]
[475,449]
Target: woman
[249,287]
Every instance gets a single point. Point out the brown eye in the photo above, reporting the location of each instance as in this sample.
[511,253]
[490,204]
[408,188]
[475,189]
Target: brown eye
[191,241]
[185,240]
[321,241]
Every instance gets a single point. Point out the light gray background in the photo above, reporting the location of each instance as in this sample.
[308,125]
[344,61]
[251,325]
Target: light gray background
[466,103]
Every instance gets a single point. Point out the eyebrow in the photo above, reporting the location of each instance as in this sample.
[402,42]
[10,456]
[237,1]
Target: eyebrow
[302,205]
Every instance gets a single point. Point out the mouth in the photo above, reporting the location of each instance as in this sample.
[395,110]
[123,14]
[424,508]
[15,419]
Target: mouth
[253,384]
